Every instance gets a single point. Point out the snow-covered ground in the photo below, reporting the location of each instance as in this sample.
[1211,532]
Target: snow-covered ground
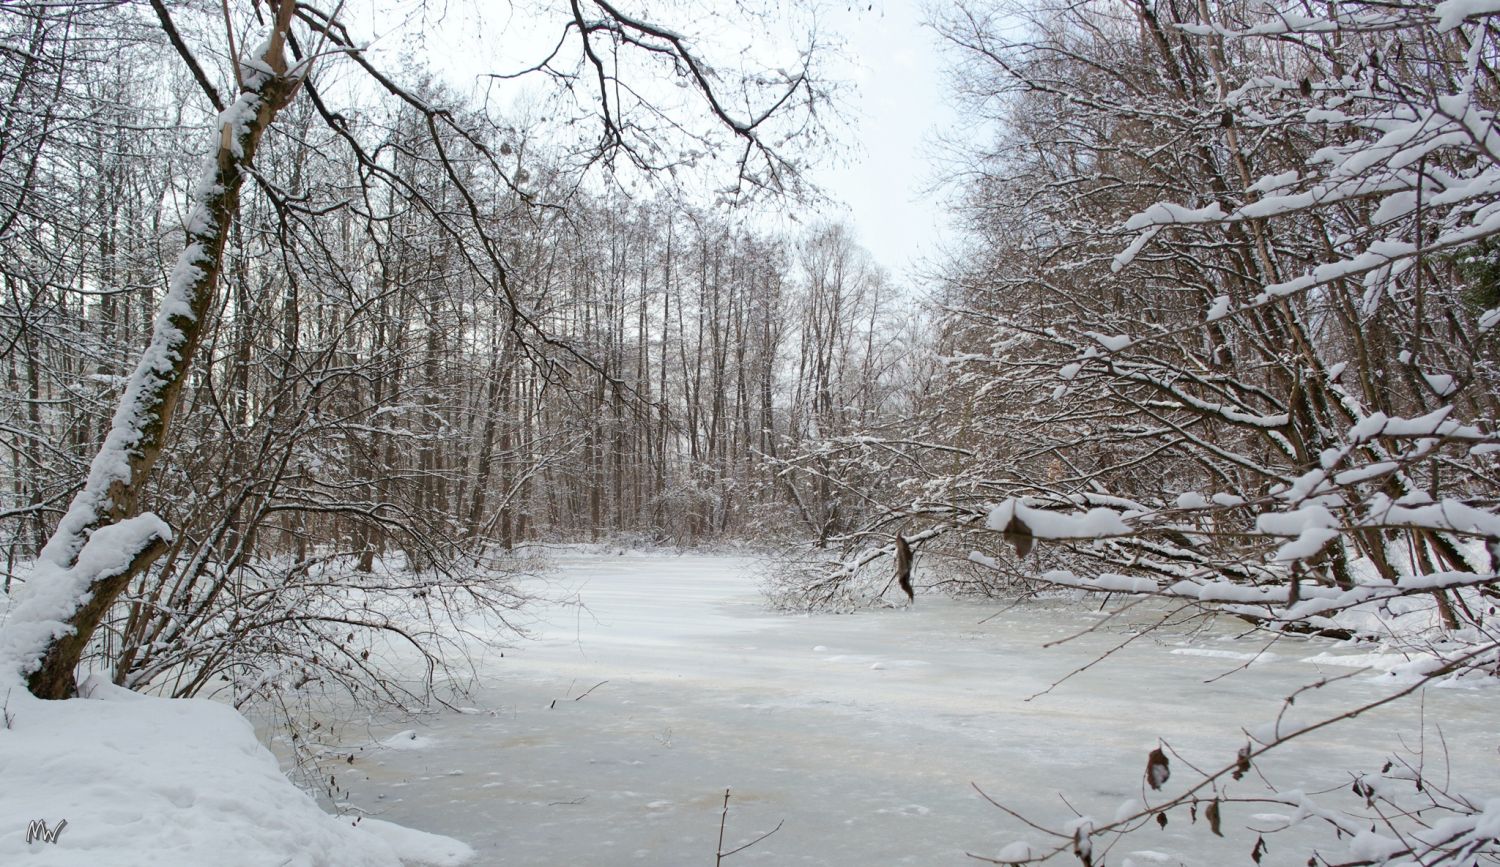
[118,779]
[611,737]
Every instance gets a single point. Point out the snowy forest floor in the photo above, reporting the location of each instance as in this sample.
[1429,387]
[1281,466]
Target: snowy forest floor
[654,682]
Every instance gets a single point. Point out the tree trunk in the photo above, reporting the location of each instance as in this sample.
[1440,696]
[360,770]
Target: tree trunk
[102,542]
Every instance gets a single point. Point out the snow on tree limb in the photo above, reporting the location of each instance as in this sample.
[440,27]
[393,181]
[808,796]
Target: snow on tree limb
[53,596]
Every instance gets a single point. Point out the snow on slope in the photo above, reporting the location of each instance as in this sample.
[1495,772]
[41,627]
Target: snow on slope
[152,781]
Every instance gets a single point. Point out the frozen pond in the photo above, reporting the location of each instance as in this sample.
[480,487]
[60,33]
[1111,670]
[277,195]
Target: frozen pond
[862,733]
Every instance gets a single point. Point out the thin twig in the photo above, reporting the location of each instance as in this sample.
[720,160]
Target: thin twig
[719,853]
[756,840]
[723,818]
[590,689]
[234,53]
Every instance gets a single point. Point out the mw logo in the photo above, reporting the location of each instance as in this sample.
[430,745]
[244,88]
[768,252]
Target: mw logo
[37,829]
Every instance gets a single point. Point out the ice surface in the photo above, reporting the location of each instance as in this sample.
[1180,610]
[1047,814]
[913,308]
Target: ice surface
[865,764]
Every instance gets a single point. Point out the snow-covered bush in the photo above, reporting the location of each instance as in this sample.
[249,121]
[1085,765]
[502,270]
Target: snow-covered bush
[1273,390]
[1225,334]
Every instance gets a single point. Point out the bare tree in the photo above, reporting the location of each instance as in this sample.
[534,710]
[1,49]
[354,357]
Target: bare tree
[312,358]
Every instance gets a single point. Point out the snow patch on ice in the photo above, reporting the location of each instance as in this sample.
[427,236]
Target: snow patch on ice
[983,559]
[1252,658]
[408,740]
[1377,661]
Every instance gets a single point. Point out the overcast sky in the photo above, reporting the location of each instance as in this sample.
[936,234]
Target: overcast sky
[900,107]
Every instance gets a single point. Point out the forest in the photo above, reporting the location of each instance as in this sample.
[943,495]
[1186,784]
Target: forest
[311,339]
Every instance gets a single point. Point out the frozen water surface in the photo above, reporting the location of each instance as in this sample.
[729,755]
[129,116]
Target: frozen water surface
[863,733]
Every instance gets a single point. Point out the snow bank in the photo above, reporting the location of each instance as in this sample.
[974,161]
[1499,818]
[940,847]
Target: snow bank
[152,781]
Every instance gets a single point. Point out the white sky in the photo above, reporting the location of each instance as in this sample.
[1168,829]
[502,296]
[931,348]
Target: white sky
[901,106]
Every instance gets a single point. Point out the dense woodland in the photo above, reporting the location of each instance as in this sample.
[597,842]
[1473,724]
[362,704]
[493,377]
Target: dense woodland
[1219,325]
[366,387]
[1202,248]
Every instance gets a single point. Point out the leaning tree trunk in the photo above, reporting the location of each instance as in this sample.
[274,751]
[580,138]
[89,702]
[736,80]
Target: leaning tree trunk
[104,541]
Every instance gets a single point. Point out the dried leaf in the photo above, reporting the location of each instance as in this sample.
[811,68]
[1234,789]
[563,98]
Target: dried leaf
[1259,851]
[1158,769]
[1161,819]
[1211,813]
[1018,535]
[1242,762]
[903,567]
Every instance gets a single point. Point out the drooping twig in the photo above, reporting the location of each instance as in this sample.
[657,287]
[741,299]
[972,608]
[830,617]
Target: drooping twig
[581,695]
